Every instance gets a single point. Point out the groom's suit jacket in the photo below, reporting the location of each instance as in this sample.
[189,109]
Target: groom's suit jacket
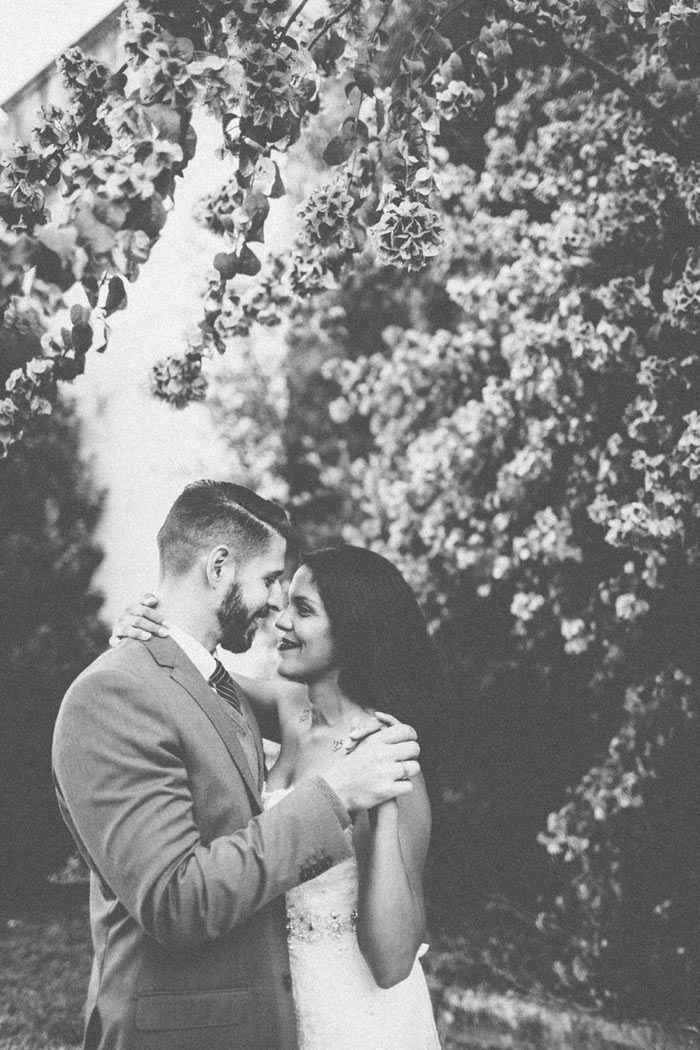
[187,872]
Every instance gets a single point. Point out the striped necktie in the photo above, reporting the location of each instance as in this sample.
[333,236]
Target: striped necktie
[223,683]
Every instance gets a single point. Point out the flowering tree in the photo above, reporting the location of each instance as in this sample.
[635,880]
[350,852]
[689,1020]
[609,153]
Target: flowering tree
[532,468]
[113,156]
[414,75]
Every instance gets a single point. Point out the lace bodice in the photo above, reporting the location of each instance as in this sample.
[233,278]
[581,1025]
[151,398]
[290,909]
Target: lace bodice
[338,1004]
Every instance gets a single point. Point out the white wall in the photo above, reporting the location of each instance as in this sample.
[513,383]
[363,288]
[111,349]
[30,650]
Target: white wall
[143,451]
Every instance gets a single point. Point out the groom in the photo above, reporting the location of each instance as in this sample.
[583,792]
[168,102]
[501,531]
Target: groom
[158,766]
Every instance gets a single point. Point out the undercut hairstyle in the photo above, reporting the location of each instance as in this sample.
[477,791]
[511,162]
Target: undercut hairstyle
[207,513]
[386,657]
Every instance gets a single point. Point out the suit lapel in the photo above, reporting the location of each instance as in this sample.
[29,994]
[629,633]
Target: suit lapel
[257,739]
[168,654]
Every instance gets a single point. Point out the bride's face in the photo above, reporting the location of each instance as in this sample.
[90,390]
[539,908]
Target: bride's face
[305,651]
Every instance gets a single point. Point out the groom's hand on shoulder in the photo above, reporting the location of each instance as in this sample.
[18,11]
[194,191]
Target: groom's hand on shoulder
[366,724]
[139,620]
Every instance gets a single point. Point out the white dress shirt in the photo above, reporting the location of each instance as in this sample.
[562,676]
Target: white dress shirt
[205,662]
[200,656]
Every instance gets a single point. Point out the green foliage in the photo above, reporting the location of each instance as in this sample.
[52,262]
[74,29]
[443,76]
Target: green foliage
[48,630]
[629,835]
[416,77]
[530,461]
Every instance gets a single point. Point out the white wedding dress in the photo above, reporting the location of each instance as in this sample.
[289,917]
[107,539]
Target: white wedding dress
[338,1004]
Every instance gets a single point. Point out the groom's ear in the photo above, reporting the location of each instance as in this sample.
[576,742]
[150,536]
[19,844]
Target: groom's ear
[219,564]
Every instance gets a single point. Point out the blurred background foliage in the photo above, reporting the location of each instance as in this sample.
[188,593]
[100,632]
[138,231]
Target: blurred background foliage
[517,429]
[49,628]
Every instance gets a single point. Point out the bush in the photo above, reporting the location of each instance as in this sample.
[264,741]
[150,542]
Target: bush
[49,631]
[530,461]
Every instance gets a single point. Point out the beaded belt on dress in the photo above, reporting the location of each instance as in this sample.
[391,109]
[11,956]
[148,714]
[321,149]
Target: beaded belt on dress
[306,926]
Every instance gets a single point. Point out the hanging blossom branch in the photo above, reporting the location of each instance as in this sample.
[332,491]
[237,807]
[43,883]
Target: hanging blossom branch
[114,154]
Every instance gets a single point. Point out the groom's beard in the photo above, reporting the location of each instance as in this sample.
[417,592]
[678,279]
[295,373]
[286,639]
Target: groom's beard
[238,624]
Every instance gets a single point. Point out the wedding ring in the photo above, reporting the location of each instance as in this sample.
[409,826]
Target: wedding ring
[406,775]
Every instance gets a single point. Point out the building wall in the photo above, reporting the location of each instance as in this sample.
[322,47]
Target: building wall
[142,452]
[103,42]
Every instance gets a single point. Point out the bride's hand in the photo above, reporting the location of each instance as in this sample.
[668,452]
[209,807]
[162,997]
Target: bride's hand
[139,620]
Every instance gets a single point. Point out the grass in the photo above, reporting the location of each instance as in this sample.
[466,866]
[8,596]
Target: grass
[46,954]
[45,959]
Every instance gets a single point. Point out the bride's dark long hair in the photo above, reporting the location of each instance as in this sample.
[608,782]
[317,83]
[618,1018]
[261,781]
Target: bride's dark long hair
[386,656]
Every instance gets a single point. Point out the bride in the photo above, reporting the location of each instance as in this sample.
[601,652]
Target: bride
[351,639]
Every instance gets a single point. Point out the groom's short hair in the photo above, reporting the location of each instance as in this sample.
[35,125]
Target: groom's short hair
[210,512]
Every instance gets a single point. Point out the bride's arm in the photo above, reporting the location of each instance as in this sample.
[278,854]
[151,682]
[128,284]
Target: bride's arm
[391,912]
[265,695]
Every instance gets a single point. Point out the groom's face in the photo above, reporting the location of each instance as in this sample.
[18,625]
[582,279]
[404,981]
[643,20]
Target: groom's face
[252,593]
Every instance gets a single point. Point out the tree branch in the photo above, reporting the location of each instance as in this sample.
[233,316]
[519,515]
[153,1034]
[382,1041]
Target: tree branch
[382,19]
[290,22]
[548,36]
[329,25]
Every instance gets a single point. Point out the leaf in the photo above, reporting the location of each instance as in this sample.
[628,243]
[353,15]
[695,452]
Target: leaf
[143,150]
[267,179]
[60,241]
[230,264]
[116,83]
[258,208]
[248,262]
[355,130]
[278,189]
[189,146]
[394,164]
[91,288]
[81,338]
[184,47]
[364,79]
[165,119]
[328,49]
[368,212]
[116,296]
[79,315]
[54,177]
[414,66]
[111,213]
[379,112]
[225,263]
[452,68]
[337,151]
[98,237]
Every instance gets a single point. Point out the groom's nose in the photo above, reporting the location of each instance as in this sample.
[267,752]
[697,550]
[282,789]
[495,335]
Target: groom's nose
[275,599]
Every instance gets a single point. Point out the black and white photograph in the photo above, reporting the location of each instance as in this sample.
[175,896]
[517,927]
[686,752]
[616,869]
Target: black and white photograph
[350,525]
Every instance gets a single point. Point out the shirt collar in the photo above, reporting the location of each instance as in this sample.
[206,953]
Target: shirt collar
[197,653]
